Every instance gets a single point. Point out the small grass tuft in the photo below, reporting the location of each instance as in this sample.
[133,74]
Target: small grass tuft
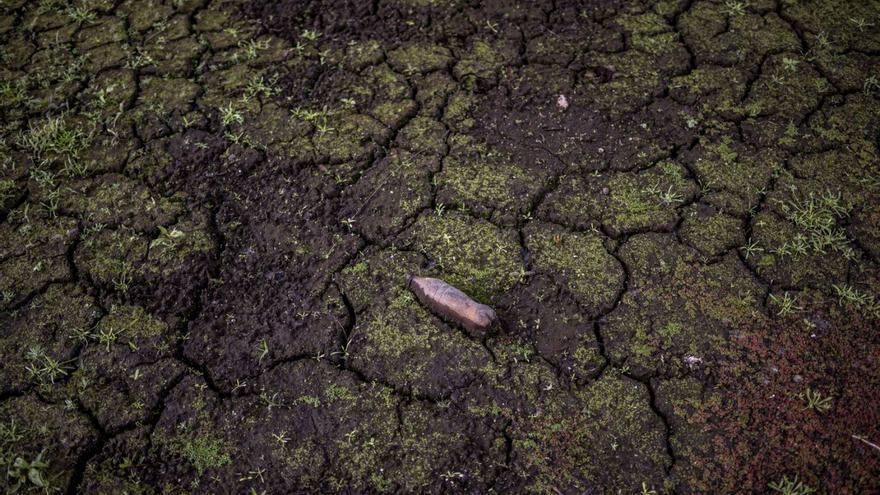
[793,486]
[53,139]
[817,216]
[44,368]
[202,451]
[786,304]
[29,475]
[229,116]
[817,401]
[81,14]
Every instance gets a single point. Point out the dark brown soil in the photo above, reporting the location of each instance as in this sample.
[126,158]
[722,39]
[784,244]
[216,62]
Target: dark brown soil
[209,208]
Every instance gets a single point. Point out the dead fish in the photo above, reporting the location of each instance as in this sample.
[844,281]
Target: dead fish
[452,304]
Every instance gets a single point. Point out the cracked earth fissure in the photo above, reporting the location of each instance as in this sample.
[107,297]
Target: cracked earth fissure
[239,268]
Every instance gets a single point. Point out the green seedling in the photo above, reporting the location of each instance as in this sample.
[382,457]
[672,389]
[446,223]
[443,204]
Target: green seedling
[817,401]
[793,486]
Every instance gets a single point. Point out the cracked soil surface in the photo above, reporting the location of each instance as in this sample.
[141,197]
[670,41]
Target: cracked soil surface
[208,209]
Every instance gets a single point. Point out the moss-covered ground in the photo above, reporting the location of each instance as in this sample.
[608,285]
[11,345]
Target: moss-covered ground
[209,209]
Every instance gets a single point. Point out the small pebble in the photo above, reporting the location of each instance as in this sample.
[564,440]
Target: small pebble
[562,102]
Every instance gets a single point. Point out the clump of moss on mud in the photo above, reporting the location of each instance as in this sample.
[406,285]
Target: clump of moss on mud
[132,326]
[481,61]
[202,451]
[367,279]
[116,200]
[474,255]
[44,335]
[603,433]
[122,257]
[41,444]
[487,182]
[33,251]
[623,202]
[677,310]
[801,241]
[779,382]
[419,57]
[733,176]
[553,322]
[403,344]
[591,274]
[423,135]
[390,194]
[710,231]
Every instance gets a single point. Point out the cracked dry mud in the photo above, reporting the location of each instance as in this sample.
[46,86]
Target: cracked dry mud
[208,209]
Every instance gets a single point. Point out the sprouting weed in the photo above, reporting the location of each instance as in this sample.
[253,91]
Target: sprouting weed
[229,116]
[790,64]
[816,217]
[263,348]
[671,197]
[252,47]
[860,23]
[107,337]
[281,438]
[167,238]
[30,474]
[52,138]
[848,295]
[310,34]
[270,401]
[254,474]
[451,476]
[816,401]
[122,281]
[734,7]
[9,433]
[786,303]
[43,367]
[81,15]
[751,249]
[260,86]
[822,40]
[323,127]
[787,486]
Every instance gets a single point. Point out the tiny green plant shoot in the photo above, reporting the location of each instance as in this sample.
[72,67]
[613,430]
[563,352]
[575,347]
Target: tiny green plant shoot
[44,368]
[816,217]
[817,401]
[263,348]
[786,303]
[229,116]
[790,486]
[29,474]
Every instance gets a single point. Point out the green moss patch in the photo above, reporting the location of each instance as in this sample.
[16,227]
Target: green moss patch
[622,202]
[474,255]
[488,182]
[675,308]
[589,272]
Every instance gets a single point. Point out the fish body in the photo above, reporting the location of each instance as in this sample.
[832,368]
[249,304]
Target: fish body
[452,304]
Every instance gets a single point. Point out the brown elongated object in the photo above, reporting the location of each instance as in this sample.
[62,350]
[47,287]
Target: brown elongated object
[452,304]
